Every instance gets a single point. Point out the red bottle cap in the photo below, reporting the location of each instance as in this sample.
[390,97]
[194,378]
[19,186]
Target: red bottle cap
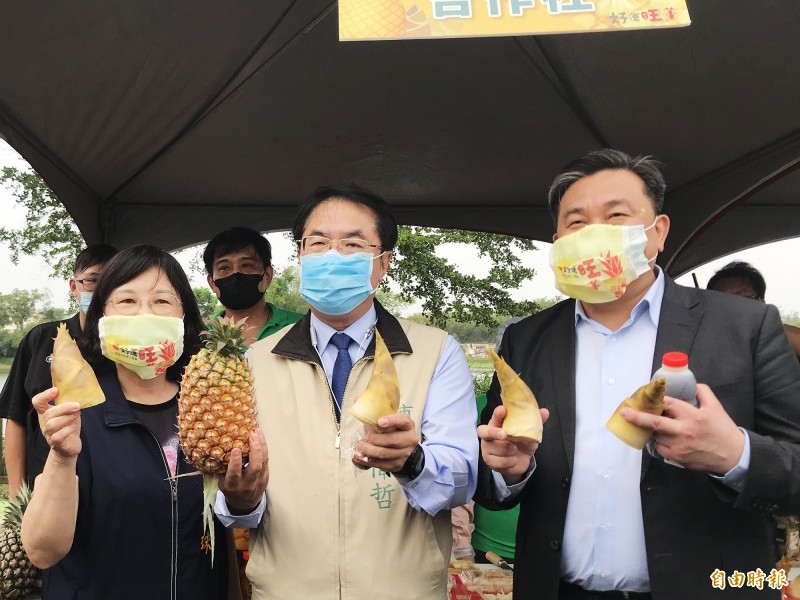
[676,360]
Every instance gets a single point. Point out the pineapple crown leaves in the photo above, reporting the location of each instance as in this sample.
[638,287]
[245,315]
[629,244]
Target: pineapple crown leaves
[225,336]
[16,508]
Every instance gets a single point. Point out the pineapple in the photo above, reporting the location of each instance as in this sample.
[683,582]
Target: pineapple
[18,576]
[216,409]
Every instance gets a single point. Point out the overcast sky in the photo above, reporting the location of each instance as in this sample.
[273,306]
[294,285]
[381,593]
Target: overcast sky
[783,288]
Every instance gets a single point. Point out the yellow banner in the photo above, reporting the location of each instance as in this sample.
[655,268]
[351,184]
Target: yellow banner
[414,19]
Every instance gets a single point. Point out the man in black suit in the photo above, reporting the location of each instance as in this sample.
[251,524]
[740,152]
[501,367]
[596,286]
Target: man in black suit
[743,279]
[600,519]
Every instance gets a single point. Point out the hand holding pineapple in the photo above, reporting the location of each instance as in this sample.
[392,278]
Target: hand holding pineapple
[510,459]
[243,488]
[60,424]
[217,420]
[389,446]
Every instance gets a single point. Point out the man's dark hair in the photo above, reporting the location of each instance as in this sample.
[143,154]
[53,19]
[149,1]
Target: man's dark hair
[647,168]
[127,265]
[384,219]
[744,271]
[233,240]
[96,254]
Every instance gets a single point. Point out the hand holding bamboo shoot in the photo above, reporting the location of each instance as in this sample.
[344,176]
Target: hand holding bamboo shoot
[648,398]
[523,422]
[71,374]
[382,395]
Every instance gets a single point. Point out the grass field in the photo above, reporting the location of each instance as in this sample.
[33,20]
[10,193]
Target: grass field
[479,364]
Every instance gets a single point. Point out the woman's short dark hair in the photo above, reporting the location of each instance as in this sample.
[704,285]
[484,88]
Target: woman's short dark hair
[233,240]
[647,168]
[384,219]
[129,264]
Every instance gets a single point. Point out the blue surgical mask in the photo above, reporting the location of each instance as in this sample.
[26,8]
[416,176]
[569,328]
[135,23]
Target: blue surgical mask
[335,283]
[85,301]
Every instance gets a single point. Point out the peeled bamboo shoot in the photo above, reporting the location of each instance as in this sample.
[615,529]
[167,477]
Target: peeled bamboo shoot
[382,395]
[523,422]
[71,374]
[650,399]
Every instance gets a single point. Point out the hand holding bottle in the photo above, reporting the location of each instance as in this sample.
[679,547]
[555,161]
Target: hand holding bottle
[701,438]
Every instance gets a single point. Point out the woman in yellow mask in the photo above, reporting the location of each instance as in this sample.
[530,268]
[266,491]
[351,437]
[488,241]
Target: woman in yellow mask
[108,519]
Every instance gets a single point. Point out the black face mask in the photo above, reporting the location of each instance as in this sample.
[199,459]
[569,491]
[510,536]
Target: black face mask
[239,291]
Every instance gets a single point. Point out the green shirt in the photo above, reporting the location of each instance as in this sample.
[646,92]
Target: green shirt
[495,530]
[279,318]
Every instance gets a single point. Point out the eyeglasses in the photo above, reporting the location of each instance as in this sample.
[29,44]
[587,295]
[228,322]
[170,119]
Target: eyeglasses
[316,243]
[160,304]
[747,294]
[88,283]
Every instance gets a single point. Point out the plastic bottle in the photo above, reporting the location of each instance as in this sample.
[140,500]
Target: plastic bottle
[681,383]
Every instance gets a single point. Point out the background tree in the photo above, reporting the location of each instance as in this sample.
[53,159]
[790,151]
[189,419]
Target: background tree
[549,301]
[284,291]
[9,340]
[49,230]
[447,294]
[53,313]
[20,306]
[792,318]
[394,303]
[7,347]
[23,310]
[207,302]
[472,333]
[465,333]
[5,318]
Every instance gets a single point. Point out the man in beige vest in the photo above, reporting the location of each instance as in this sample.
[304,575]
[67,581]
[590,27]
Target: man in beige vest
[349,513]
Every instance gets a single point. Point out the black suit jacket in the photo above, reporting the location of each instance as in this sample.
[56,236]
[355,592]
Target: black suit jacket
[693,524]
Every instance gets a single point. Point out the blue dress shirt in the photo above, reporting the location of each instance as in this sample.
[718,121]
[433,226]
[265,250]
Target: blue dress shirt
[603,547]
[449,442]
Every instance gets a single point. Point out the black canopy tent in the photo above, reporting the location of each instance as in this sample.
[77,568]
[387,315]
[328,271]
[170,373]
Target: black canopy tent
[168,121]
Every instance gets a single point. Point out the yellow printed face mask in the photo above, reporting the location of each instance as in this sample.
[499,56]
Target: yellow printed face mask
[597,263]
[145,344]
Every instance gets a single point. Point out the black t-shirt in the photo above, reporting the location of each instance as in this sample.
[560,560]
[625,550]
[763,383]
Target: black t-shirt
[162,421]
[29,375]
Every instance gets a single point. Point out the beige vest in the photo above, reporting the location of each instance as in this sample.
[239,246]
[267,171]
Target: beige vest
[331,530]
